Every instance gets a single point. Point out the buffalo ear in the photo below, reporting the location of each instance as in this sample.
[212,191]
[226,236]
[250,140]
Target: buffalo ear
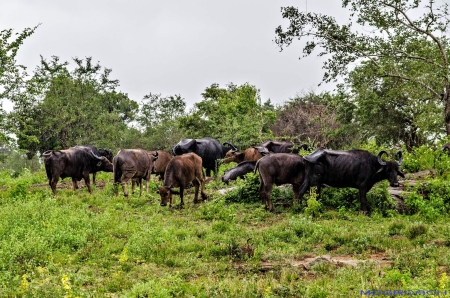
[400,173]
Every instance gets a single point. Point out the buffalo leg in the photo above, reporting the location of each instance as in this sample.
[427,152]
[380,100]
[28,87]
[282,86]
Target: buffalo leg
[265,192]
[93,178]
[363,200]
[196,186]
[296,189]
[52,183]
[181,196]
[74,184]
[123,181]
[87,181]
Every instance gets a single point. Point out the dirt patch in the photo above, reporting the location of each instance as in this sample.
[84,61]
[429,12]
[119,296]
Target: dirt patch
[309,262]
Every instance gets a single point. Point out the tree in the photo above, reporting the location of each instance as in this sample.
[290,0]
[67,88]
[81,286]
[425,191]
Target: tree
[233,114]
[159,118]
[11,73]
[403,41]
[58,108]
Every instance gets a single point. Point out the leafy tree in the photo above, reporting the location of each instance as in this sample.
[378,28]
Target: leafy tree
[58,108]
[232,114]
[393,112]
[403,46]
[159,118]
[10,72]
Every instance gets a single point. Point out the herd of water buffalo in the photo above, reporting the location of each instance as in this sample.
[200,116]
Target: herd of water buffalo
[276,162]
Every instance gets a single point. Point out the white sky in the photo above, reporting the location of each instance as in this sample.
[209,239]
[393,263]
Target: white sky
[173,47]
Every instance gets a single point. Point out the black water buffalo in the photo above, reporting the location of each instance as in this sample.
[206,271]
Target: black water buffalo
[133,164]
[74,163]
[99,152]
[355,168]
[181,171]
[283,147]
[253,153]
[209,149]
[279,168]
[239,171]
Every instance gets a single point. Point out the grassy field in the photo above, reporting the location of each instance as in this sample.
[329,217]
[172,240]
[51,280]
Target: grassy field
[80,245]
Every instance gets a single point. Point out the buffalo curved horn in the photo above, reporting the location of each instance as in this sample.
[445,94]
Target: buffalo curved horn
[231,145]
[400,157]
[96,156]
[379,158]
[47,153]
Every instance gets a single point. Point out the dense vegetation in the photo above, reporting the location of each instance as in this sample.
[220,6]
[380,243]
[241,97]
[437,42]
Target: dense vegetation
[395,93]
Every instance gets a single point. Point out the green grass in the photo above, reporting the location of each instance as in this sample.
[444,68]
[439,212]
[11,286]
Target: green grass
[80,245]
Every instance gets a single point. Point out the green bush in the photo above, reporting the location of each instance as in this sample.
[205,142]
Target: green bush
[431,199]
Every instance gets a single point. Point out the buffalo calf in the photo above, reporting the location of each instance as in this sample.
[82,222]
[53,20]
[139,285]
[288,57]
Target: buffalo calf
[279,168]
[182,170]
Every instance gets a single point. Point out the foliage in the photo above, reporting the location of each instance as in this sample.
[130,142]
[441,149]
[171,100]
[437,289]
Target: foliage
[401,55]
[224,114]
[246,190]
[159,117]
[430,199]
[427,157]
[11,74]
[58,108]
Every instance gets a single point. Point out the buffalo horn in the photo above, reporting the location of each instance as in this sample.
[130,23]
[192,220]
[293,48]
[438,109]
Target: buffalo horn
[231,145]
[400,158]
[379,157]
[96,156]
[47,153]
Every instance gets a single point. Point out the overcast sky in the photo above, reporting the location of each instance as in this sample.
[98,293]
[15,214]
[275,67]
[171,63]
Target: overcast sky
[173,47]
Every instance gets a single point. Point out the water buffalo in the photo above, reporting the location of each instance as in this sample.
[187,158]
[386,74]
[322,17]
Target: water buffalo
[181,171]
[239,171]
[355,168]
[250,154]
[209,149]
[132,164]
[283,147]
[279,168]
[159,166]
[73,163]
[99,152]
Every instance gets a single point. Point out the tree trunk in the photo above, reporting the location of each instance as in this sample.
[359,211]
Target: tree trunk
[446,100]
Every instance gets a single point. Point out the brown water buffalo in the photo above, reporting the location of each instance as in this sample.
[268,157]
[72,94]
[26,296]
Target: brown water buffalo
[73,163]
[253,153]
[159,167]
[132,164]
[182,170]
[279,168]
